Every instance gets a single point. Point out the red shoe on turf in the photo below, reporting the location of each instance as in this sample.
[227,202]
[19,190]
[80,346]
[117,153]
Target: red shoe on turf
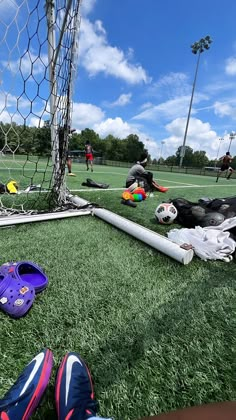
[162,189]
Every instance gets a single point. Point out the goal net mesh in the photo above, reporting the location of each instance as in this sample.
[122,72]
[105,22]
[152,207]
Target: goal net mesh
[38,60]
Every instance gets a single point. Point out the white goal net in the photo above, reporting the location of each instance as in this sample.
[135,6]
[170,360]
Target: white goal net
[38,60]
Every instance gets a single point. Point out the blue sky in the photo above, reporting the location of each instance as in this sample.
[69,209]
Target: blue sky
[136,70]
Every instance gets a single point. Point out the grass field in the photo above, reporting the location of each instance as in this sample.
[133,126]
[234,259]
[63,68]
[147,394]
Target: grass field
[157,335]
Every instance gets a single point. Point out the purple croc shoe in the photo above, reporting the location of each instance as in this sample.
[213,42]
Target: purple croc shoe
[28,272]
[16,296]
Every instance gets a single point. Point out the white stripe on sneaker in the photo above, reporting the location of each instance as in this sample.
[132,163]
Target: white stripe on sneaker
[69,364]
[38,360]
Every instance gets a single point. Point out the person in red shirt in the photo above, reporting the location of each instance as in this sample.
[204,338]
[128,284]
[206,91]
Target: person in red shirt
[88,155]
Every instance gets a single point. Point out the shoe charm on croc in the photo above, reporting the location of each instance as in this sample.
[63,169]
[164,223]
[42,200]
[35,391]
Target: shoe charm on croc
[16,296]
[26,271]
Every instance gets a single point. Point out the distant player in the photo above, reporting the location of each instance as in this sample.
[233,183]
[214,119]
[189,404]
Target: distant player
[226,161]
[88,155]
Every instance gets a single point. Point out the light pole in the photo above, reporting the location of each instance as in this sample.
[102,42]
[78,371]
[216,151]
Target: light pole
[197,48]
[231,137]
[218,151]
[162,144]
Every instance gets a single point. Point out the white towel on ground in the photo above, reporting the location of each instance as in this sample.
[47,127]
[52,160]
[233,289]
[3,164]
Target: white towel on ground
[209,243]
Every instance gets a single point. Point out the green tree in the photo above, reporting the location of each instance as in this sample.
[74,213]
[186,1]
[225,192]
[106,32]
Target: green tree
[42,141]
[75,142]
[213,162]
[134,148]
[27,139]
[171,160]
[113,150]
[2,136]
[188,157]
[200,159]
[233,163]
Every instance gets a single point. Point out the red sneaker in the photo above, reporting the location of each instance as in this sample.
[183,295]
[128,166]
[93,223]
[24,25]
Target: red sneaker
[162,189]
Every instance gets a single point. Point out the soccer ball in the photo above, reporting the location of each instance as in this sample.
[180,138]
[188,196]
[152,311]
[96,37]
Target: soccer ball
[166,213]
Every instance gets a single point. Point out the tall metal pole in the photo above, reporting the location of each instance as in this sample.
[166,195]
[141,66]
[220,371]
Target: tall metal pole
[189,111]
[218,151]
[197,47]
[231,137]
[162,143]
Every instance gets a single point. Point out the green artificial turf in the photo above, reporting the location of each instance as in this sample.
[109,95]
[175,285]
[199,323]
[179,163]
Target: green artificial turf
[156,335]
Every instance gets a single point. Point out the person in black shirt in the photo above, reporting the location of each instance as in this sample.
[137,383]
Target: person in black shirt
[226,161]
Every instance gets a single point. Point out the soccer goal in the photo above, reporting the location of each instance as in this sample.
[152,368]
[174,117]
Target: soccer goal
[38,61]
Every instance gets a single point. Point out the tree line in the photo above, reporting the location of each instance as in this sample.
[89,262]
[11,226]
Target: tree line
[37,141]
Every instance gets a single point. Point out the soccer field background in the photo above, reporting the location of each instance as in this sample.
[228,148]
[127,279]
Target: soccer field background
[156,335]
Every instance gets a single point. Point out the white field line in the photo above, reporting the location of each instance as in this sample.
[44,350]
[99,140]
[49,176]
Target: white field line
[170,187]
[201,186]
[188,175]
[174,182]
[6,168]
[42,169]
[108,173]
[123,189]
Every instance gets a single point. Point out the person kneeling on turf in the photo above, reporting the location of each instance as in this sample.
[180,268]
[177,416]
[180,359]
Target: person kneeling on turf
[138,174]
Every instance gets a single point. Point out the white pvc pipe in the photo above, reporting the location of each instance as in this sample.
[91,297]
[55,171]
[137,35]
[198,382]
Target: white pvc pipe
[19,219]
[159,242]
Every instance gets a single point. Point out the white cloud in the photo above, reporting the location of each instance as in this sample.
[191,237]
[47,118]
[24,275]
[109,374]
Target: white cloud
[146,105]
[230,67]
[87,6]
[36,122]
[97,56]
[171,85]
[8,101]
[170,109]
[219,86]
[7,117]
[29,64]
[8,7]
[123,100]
[117,127]
[121,129]
[223,109]
[200,136]
[86,115]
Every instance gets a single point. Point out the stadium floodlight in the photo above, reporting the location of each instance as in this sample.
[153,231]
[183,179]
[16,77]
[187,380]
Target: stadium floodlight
[218,151]
[197,48]
[162,144]
[231,137]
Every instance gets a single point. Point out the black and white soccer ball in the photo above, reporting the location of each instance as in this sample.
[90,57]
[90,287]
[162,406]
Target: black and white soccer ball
[166,213]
